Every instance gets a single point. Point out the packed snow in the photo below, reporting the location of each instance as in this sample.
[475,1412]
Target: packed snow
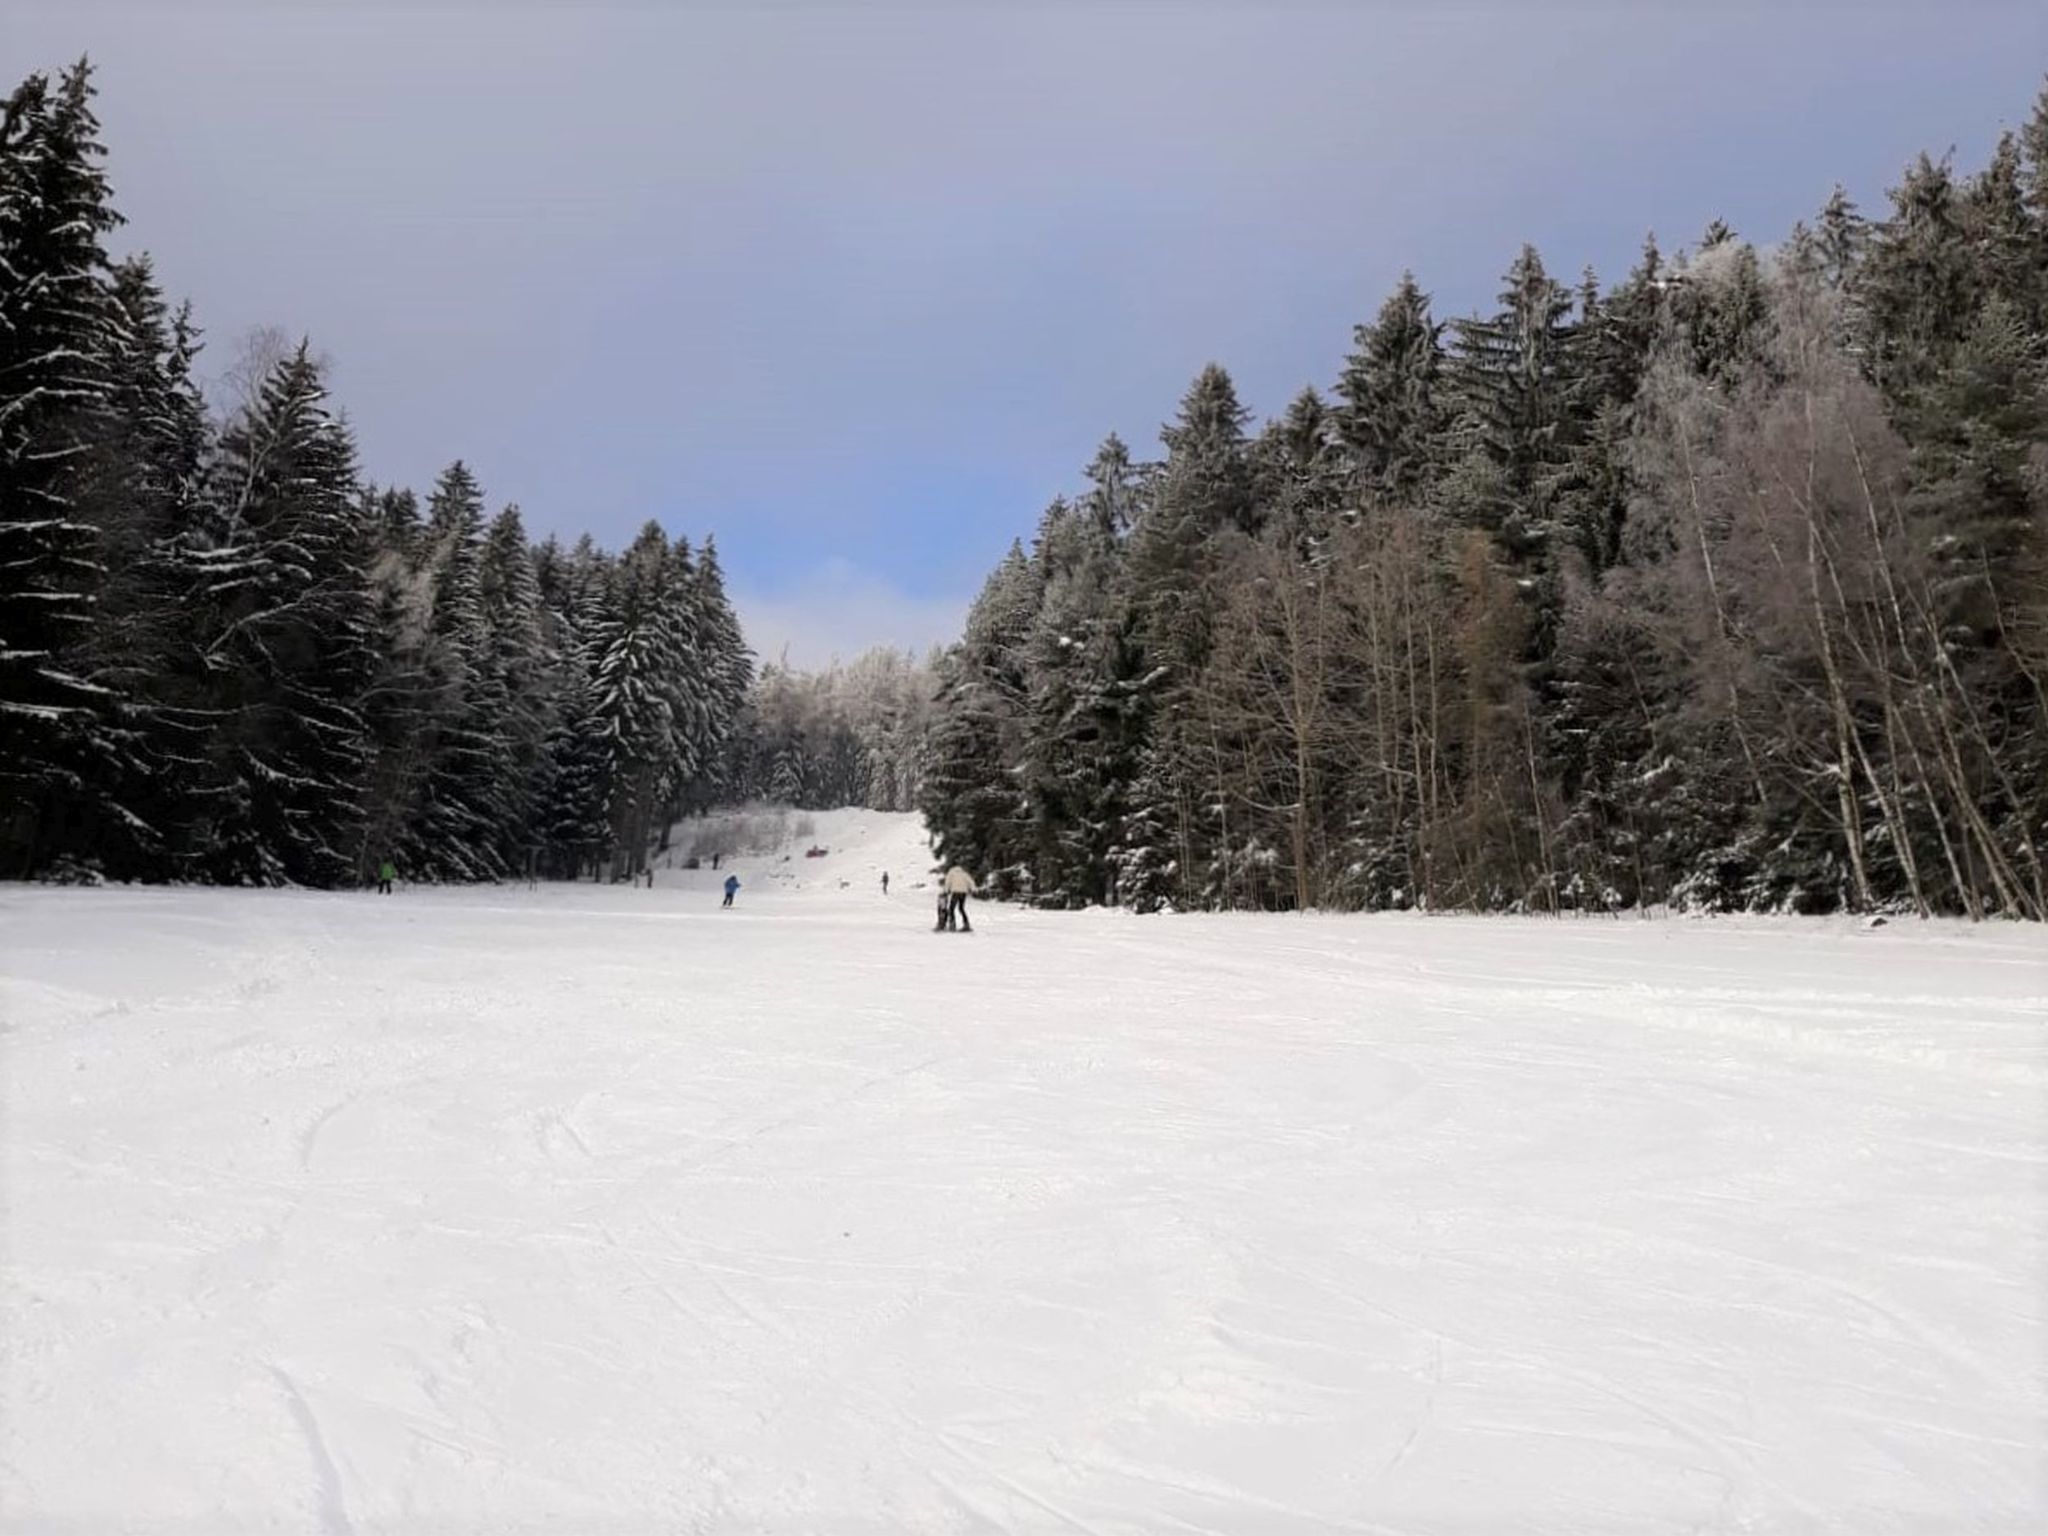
[600,1208]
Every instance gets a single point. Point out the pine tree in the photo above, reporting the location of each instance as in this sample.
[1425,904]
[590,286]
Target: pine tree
[726,667]
[1980,501]
[1522,384]
[1998,227]
[519,677]
[1393,413]
[1616,335]
[1115,497]
[394,523]
[1079,657]
[1298,474]
[2033,143]
[976,811]
[58,336]
[645,690]
[284,609]
[405,690]
[455,834]
[1202,495]
[144,495]
[1720,305]
[1842,237]
[1516,382]
[576,797]
[1918,285]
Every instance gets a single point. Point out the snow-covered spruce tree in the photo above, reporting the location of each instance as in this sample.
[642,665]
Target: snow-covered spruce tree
[518,673]
[1594,730]
[1203,490]
[59,329]
[977,811]
[400,703]
[1106,716]
[1917,287]
[1719,304]
[1393,405]
[1616,335]
[1516,380]
[1298,475]
[144,493]
[576,795]
[1081,653]
[726,668]
[283,608]
[1519,385]
[455,830]
[643,677]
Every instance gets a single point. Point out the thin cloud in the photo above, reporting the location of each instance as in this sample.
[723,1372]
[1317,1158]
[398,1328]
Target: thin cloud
[837,610]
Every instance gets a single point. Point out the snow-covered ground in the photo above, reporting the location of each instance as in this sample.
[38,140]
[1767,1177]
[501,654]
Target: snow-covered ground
[596,1209]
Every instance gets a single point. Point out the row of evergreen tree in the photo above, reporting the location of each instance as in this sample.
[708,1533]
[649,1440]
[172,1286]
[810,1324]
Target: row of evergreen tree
[224,657]
[1726,586]
[849,734]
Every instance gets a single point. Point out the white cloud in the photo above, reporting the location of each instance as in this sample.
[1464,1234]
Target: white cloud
[839,610]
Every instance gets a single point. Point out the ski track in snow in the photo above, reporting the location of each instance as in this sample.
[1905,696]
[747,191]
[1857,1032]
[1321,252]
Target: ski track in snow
[333,1509]
[601,1209]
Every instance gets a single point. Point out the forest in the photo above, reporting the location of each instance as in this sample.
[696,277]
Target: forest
[1723,587]
[841,735]
[227,657]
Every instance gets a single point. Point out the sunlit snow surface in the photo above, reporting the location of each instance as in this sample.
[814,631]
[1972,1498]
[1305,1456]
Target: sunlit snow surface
[603,1210]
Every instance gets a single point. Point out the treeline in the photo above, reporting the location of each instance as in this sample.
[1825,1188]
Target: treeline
[1725,587]
[224,657]
[850,734]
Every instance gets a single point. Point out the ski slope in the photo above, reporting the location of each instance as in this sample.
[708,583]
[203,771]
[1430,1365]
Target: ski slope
[597,1209]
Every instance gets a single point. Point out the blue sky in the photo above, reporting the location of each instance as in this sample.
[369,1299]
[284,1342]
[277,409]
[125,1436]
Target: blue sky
[860,288]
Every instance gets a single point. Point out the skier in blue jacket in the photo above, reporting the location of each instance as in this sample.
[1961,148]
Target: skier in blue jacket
[732,886]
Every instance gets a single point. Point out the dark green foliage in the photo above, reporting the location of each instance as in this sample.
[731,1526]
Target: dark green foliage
[223,658]
[466,788]
[59,332]
[1725,587]
[283,612]
[1394,407]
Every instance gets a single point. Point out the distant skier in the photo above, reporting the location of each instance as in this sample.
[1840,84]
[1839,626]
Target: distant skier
[959,886]
[386,873]
[885,882]
[732,889]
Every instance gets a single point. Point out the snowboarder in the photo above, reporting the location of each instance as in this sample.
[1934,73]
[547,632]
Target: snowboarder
[959,885]
[732,887]
[386,873]
[885,882]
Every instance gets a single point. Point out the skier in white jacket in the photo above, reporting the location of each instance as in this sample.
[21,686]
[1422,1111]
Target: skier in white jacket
[959,885]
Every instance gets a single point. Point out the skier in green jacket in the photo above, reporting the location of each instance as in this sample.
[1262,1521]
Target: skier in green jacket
[386,873]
